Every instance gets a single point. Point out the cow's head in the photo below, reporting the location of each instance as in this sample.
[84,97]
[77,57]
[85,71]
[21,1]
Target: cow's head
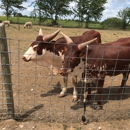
[35,51]
[72,54]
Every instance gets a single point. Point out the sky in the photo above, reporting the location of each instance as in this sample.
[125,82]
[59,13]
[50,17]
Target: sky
[112,7]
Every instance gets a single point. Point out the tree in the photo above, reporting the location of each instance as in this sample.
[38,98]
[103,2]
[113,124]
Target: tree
[125,16]
[38,10]
[111,23]
[9,6]
[78,11]
[90,9]
[52,9]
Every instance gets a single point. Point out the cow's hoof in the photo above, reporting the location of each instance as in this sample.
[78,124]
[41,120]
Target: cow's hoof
[74,99]
[97,107]
[61,95]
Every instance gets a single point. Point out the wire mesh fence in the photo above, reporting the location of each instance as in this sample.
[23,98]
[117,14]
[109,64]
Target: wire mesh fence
[36,90]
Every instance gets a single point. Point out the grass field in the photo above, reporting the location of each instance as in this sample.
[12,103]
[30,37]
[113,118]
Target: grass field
[47,22]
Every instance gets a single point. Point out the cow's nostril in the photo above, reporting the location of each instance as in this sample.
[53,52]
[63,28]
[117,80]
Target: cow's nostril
[23,58]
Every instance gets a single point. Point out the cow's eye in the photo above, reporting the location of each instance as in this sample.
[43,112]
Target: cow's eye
[35,48]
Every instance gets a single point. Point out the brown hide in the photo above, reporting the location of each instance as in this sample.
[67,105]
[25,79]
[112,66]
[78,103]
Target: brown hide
[86,36]
[111,59]
[112,55]
[101,54]
[60,44]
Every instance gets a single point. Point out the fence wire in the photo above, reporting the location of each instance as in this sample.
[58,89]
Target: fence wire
[36,90]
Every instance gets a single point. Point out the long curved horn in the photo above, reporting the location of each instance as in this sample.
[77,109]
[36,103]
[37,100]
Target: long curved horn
[68,40]
[83,45]
[48,38]
[40,32]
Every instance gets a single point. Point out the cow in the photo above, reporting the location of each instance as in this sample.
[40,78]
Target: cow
[109,59]
[28,25]
[6,22]
[42,47]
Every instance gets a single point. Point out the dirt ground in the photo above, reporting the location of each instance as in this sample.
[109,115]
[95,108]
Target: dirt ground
[35,92]
[37,125]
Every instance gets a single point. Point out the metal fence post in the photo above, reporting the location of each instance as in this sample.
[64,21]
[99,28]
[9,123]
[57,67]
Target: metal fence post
[6,73]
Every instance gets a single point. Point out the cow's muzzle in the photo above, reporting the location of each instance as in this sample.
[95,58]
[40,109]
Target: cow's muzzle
[24,58]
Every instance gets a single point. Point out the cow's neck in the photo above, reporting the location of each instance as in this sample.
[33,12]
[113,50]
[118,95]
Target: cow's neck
[50,60]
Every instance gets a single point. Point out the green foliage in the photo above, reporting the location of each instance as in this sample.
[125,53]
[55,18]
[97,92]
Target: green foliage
[38,11]
[9,6]
[52,9]
[86,10]
[125,17]
[112,23]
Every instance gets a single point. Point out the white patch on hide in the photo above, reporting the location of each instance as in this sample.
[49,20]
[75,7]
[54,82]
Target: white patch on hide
[29,54]
[62,56]
[47,59]
[78,70]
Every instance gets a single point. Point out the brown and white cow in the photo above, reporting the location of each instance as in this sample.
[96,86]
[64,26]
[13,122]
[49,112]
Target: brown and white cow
[110,59]
[42,48]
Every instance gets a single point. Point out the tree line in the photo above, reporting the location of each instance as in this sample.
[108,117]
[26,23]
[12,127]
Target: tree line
[83,11]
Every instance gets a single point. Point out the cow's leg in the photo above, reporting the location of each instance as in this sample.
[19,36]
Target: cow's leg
[99,93]
[75,93]
[64,89]
[86,97]
[122,87]
[89,87]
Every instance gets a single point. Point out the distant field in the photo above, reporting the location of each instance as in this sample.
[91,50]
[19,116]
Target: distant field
[63,23]
[30,34]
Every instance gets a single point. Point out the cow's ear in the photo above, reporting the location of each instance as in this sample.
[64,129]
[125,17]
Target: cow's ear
[68,40]
[39,49]
[85,44]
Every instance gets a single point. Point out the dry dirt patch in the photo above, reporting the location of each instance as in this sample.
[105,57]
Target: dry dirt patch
[37,125]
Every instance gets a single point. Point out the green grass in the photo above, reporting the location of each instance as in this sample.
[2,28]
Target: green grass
[2,18]
[47,22]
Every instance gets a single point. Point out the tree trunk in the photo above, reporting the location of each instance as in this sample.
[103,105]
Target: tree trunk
[87,22]
[54,21]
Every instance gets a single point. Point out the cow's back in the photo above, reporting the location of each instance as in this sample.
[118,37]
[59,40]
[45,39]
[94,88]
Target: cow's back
[89,35]
[86,36]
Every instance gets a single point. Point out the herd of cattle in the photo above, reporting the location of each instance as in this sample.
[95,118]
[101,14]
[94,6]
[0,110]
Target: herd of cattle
[84,54]
[26,25]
